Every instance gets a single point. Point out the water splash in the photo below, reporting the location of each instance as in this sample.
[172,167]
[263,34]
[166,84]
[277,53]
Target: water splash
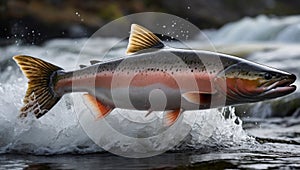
[261,28]
[59,131]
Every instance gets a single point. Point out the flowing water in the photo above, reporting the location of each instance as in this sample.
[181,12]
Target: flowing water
[217,139]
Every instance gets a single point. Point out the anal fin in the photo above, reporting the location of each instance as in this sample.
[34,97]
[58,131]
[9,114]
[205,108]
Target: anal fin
[171,116]
[101,109]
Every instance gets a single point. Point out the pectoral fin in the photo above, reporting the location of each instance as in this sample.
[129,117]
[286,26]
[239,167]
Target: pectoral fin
[198,97]
[171,116]
[101,109]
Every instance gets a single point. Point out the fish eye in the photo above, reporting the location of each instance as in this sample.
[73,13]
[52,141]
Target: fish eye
[268,76]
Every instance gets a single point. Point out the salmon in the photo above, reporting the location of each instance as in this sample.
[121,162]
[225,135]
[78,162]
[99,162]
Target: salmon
[154,77]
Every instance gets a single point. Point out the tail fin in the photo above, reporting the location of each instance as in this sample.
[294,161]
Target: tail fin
[40,96]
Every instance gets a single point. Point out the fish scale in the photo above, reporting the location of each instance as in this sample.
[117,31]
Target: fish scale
[152,76]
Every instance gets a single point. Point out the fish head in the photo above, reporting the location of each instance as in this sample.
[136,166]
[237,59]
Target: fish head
[251,82]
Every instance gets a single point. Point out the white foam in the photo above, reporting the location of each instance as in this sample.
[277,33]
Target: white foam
[262,28]
[59,130]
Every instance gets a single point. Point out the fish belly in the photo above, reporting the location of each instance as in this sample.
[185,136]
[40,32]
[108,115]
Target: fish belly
[154,97]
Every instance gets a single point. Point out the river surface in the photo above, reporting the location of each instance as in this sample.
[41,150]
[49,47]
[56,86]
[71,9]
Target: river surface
[262,138]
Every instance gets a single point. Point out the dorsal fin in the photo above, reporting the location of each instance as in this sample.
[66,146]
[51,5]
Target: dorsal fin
[141,38]
[94,62]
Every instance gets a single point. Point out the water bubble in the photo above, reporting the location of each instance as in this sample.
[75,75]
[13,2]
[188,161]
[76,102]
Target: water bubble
[82,20]
[77,13]
[188,7]
[32,31]
[164,26]
[7,37]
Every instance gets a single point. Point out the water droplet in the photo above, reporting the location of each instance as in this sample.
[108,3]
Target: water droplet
[173,25]
[188,7]
[77,13]
[32,31]
[82,20]
[164,26]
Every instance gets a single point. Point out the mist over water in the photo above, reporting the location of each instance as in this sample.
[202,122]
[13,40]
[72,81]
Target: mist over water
[60,132]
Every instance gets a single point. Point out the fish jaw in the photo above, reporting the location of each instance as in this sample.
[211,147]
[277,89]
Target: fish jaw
[245,83]
[280,88]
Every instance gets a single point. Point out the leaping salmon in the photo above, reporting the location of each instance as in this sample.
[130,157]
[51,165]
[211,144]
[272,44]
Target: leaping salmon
[189,80]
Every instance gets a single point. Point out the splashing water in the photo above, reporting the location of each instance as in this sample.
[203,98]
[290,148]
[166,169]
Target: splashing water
[59,130]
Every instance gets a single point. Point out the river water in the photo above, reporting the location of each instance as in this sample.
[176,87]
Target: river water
[262,136]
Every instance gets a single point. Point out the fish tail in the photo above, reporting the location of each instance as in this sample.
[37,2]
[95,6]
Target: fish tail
[40,95]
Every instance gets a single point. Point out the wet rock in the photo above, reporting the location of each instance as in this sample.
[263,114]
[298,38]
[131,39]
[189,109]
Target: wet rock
[281,107]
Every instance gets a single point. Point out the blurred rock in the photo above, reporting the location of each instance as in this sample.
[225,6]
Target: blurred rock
[282,107]
[57,18]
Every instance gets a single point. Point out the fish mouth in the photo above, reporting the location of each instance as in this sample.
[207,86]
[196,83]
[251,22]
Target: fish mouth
[280,88]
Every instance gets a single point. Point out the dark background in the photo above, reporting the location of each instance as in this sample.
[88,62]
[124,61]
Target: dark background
[35,21]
